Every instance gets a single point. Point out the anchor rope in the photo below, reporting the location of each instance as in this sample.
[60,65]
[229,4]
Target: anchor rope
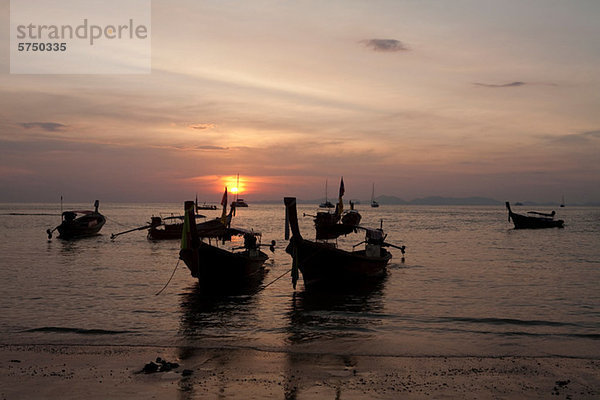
[116,222]
[273,281]
[169,281]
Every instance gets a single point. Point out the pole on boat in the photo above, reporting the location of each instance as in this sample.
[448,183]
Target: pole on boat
[114,235]
[189,238]
[287,224]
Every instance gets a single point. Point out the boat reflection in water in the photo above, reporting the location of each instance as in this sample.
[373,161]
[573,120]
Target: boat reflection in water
[210,315]
[209,323]
[323,326]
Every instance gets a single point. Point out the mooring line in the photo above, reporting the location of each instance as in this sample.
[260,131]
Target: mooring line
[169,281]
[273,281]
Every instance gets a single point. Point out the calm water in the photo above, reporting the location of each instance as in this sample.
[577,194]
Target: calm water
[469,285]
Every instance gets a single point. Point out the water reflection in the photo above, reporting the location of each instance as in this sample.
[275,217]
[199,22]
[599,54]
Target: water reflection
[211,321]
[323,322]
[329,314]
[206,314]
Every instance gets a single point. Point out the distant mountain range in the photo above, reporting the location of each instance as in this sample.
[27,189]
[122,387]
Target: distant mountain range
[425,201]
[439,200]
[436,201]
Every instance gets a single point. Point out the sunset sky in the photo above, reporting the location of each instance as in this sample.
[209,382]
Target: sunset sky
[453,98]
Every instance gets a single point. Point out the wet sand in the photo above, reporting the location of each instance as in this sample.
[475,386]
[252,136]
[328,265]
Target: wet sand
[103,372]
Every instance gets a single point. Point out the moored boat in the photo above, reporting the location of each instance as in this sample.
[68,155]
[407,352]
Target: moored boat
[88,223]
[220,268]
[161,228]
[238,202]
[374,203]
[330,225]
[326,203]
[324,264]
[535,220]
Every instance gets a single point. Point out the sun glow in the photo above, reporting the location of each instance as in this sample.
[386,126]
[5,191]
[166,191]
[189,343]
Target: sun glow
[234,187]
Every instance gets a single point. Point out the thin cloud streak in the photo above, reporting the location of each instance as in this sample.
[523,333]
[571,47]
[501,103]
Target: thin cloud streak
[504,85]
[385,45]
[46,126]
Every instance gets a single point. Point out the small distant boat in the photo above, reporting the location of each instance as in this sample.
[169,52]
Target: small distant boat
[204,206]
[562,202]
[323,264]
[535,220]
[238,202]
[326,203]
[88,223]
[220,268]
[374,204]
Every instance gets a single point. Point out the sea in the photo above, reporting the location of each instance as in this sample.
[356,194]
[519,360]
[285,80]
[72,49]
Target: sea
[468,285]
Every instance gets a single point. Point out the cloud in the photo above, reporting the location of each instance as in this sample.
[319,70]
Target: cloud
[209,147]
[388,45]
[583,138]
[47,126]
[192,148]
[490,85]
[202,126]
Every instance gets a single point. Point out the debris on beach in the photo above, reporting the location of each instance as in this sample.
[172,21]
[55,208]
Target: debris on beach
[159,366]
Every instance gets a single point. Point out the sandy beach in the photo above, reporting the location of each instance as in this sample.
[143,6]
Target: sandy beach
[101,372]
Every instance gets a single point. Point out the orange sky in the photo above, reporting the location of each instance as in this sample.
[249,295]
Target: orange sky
[420,98]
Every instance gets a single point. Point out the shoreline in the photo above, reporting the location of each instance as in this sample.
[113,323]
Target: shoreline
[99,372]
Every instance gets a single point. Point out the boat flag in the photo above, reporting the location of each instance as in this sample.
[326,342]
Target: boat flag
[340,207]
[224,204]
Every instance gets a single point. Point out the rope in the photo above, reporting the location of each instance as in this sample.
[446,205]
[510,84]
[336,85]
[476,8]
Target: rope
[273,281]
[115,222]
[169,281]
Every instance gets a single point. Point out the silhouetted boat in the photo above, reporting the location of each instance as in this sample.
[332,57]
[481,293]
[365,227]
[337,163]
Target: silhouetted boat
[324,264]
[536,220]
[562,202]
[331,225]
[219,268]
[87,224]
[326,203]
[374,204]
[205,206]
[238,202]
[160,228]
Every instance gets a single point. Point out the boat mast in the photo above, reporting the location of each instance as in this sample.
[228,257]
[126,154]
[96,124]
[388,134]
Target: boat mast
[237,187]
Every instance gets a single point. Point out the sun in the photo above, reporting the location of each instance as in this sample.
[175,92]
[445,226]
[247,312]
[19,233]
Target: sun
[234,186]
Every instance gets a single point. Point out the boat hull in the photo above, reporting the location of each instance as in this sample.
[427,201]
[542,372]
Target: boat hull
[87,225]
[219,269]
[530,222]
[526,222]
[322,264]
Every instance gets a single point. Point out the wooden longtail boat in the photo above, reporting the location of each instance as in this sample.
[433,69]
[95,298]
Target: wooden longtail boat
[88,223]
[535,220]
[220,268]
[159,229]
[323,264]
[331,225]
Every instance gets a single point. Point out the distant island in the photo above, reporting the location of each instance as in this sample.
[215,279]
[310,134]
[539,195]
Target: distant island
[438,201]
